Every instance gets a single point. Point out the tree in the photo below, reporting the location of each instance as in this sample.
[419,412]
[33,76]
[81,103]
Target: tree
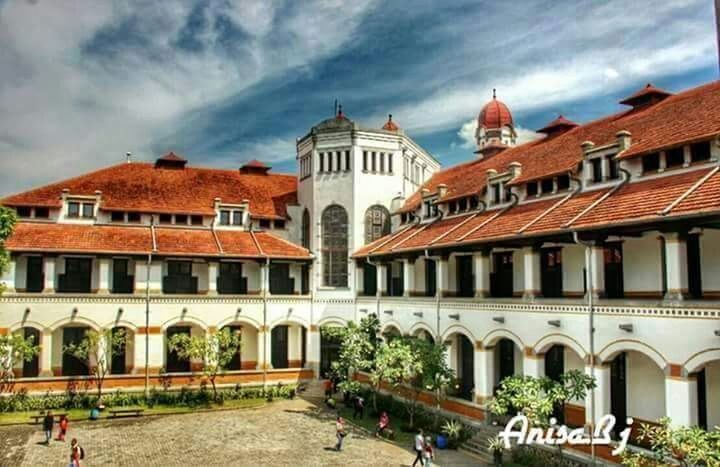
[95,348]
[7,224]
[215,350]
[14,349]
[358,344]
[536,398]
[686,446]
[395,363]
[434,375]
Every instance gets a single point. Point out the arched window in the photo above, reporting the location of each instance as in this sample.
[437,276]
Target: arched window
[305,234]
[335,246]
[377,222]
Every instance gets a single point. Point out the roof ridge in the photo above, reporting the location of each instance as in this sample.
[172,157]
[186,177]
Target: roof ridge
[257,244]
[689,191]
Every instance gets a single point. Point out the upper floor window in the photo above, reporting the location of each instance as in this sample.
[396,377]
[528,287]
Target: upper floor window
[279,224]
[165,218]
[431,209]
[377,223]
[335,246]
[42,213]
[651,162]
[596,167]
[117,216]
[531,189]
[674,157]
[264,223]
[231,217]
[379,162]
[194,220]
[305,233]
[700,152]
[334,161]
[79,209]
[23,211]
[499,193]
[613,167]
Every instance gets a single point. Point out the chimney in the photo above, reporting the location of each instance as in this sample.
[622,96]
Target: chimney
[624,139]
[515,168]
[586,147]
[442,190]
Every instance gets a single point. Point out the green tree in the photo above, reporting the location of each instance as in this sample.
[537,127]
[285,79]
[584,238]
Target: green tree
[94,351]
[14,349]
[358,344]
[434,376]
[7,224]
[686,446]
[215,350]
[395,363]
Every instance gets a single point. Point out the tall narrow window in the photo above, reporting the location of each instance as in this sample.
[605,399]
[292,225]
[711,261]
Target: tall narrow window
[365,161]
[347,161]
[305,240]
[321,156]
[390,162]
[596,165]
[382,162]
[614,283]
[335,246]
[377,222]
[338,161]
[329,162]
[374,161]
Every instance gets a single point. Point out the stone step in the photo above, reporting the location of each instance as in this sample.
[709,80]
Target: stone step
[483,456]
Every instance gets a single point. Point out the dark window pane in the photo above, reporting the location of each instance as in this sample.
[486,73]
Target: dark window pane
[674,157]
[87,209]
[614,165]
[165,218]
[133,217]
[462,204]
[264,224]
[473,202]
[42,213]
[196,220]
[117,216]
[237,217]
[73,209]
[563,182]
[181,219]
[531,189]
[279,224]
[224,217]
[546,185]
[700,152]
[347,160]
[452,207]
[322,162]
[23,211]
[651,162]
[596,165]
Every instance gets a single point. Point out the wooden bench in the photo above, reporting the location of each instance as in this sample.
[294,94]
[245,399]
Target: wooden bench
[114,413]
[37,418]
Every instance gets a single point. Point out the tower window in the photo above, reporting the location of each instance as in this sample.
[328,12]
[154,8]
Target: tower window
[374,161]
[390,163]
[651,162]
[321,156]
[365,161]
[347,161]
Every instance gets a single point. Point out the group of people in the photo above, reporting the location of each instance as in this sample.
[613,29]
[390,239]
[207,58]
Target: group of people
[424,453]
[76,452]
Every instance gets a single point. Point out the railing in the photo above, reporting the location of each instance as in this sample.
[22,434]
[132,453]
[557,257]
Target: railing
[180,285]
[73,283]
[232,285]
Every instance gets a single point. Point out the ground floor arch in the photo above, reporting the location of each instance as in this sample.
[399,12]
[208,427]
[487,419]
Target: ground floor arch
[288,345]
[707,380]
[29,368]
[559,359]
[63,363]
[461,353]
[121,359]
[173,362]
[508,360]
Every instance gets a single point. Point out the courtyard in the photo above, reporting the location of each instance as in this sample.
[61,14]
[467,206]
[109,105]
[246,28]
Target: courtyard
[288,432]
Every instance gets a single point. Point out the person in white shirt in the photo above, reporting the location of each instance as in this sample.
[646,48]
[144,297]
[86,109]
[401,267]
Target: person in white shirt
[419,448]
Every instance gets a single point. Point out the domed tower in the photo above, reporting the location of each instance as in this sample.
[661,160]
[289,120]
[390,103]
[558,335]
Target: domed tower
[495,126]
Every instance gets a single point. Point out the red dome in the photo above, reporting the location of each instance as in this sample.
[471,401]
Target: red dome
[495,114]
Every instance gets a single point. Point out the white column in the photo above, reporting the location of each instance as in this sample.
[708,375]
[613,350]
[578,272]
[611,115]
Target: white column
[263,348]
[264,279]
[104,275]
[408,277]
[676,266]
[382,271]
[313,350]
[156,356]
[481,266]
[605,163]
[213,270]
[443,276]
[531,272]
[296,274]
[681,403]
[533,364]
[597,266]
[8,276]
[360,278]
[49,271]
[602,393]
[484,374]
[45,357]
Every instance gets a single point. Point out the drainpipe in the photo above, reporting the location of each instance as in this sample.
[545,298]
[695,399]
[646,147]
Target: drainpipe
[147,308]
[265,328]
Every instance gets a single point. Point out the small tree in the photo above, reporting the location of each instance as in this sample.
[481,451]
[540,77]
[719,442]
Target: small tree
[358,344]
[395,363]
[14,349]
[686,446]
[7,224]
[215,350]
[434,376]
[95,348]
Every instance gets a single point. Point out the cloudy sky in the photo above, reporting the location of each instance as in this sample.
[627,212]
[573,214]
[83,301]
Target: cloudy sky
[222,82]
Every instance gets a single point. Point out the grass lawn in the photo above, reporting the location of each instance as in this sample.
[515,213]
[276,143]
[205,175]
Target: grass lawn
[83,414]
[370,423]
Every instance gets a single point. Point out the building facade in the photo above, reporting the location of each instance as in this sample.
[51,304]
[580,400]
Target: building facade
[510,258]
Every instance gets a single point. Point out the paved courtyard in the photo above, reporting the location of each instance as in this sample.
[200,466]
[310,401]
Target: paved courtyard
[283,433]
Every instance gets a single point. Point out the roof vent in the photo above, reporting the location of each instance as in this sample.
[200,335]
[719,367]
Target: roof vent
[648,95]
[558,126]
[171,161]
[254,167]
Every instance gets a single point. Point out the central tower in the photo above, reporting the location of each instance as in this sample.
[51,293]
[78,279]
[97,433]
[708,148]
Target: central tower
[495,125]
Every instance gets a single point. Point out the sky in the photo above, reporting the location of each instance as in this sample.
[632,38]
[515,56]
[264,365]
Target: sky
[222,82]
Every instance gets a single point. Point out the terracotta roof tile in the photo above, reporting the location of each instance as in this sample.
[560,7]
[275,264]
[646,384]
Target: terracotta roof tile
[194,242]
[278,247]
[705,198]
[71,238]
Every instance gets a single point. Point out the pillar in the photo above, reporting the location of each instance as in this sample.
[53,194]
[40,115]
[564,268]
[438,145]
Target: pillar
[481,266]
[484,373]
[408,277]
[104,276]
[359,278]
[45,357]
[213,271]
[49,271]
[597,267]
[313,350]
[681,403]
[605,164]
[382,272]
[263,348]
[155,278]
[156,344]
[443,276]
[531,272]
[602,393]
[8,276]
[533,364]
[676,266]
[264,279]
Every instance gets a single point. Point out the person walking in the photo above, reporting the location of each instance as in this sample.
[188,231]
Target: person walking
[428,453]
[48,422]
[75,453]
[419,448]
[340,432]
[358,407]
[62,431]
[382,425]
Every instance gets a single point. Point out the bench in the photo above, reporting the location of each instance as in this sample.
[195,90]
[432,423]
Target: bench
[37,418]
[114,413]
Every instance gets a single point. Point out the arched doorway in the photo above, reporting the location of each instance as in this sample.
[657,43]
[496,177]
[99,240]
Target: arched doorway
[121,359]
[558,360]
[30,368]
[423,334]
[288,344]
[173,362]
[462,360]
[64,363]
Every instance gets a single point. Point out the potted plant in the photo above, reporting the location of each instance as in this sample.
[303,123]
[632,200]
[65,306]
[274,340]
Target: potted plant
[452,429]
[496,446]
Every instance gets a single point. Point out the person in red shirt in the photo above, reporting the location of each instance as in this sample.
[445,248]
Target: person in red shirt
[75,453]
[63,426]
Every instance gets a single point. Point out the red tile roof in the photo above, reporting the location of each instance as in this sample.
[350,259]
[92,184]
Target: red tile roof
[560,123]
[648,92]
[170,241]
[191,190]
[390,125]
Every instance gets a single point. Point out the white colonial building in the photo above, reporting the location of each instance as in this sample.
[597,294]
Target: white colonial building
[506,258]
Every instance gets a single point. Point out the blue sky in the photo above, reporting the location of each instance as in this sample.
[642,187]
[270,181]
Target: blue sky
[222,82]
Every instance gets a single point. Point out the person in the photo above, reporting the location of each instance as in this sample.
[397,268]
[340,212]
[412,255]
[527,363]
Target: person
[75,453]
[48,423]
[419,448]
[328,389]
[382,425]
[428,453]
[358,406]
[62,431]
[340,432]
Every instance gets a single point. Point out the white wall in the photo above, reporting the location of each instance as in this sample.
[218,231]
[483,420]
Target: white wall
[642,267]
[645,388]
[710,263]
[712,378]
[573,263]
